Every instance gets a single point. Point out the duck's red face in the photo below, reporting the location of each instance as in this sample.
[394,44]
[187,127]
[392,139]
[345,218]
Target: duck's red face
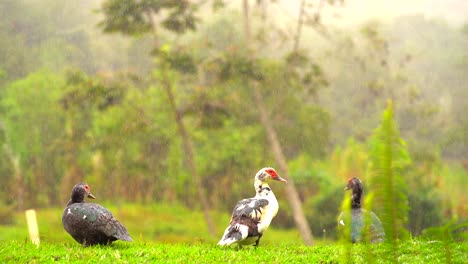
[88,191]
[274,175]
[352,183]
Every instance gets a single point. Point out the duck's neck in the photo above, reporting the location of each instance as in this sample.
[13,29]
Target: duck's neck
[76,198]
[262,188]
[356,199]
[70,202]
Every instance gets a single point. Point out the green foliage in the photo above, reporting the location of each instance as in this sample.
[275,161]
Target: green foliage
[321,193]
[453,180]
[389,160]
[179,60]
[324,211]
[83,98]
[320,183]
[33,125]
[84,93]
[456,140]
[446,235]
[7,213]
[425,205]
[308,74]
[27,105]
[344,231]
[56,37]
[14,61]
[7,201]
[144,155]
[282,92]
[136,17]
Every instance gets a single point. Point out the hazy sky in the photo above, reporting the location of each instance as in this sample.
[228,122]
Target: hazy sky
[455,11]
[358,11]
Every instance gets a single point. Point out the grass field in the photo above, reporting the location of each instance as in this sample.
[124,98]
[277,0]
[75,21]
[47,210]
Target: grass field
[174,234]
[121,252]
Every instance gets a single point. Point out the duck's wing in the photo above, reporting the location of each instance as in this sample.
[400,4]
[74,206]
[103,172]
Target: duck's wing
[251,208]
[350,223]
[377,230]
[99,218]
[244,221]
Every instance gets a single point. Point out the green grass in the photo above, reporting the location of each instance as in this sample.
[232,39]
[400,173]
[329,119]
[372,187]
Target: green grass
[174,234]
[121,252]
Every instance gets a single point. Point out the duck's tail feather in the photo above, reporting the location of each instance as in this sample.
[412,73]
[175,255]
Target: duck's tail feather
[234,234]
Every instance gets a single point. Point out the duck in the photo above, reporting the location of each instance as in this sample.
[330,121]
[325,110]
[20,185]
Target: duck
[90,223]
[360,216]
[251,217]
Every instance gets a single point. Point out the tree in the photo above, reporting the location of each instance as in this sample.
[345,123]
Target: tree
[141,18]
[83,96]
[293,197]
[33,125]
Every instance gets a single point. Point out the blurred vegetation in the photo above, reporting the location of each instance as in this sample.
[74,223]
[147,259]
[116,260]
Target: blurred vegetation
[388,166]
[157,225]
[78,104]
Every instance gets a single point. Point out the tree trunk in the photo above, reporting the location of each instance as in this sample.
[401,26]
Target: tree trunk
[291,192]
[188,150]
[186,142]
[300,22]
[19,189]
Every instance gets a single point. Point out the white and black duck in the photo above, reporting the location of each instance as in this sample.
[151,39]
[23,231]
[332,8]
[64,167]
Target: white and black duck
[251,217]
[359,216]
[90,223]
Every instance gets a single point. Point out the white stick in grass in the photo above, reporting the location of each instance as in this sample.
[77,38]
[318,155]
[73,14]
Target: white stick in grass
[32,226]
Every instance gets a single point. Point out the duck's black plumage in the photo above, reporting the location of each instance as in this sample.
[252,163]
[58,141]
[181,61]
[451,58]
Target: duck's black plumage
[247,213]
[360,217]
[90,223]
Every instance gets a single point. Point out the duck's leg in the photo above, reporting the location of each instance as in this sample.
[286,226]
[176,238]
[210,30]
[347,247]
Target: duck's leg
[258,240]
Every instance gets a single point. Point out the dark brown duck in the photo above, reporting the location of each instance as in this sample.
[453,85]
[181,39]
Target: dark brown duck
[90,223]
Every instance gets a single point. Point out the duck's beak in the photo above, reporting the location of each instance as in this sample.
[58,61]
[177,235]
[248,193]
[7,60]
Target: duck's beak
[280,179]
[347,188]
[90,195]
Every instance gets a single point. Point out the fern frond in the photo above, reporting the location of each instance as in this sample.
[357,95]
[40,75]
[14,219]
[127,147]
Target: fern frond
[389,159]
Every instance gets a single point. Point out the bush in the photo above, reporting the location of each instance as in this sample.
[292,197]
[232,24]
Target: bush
[7,214]
[323,212]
